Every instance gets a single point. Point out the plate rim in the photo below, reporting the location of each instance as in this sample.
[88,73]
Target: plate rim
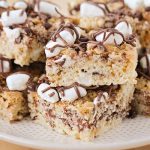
[44,145]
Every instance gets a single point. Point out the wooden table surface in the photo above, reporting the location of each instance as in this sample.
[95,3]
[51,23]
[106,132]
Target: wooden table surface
[8,146]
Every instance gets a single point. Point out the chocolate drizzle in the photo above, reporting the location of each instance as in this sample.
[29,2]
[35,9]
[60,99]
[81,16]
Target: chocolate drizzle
[69,27]
[2,70]
[105,9]
[74,85]
[130,39]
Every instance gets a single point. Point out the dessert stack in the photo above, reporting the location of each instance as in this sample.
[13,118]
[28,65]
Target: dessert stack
[25,29]
[89,82]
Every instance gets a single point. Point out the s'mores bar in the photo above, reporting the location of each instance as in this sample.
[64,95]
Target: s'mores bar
[142,92]
[26,28]
[85,117]
[13,88]
[107,58]
[89,82]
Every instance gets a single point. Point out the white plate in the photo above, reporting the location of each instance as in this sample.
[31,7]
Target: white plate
[131,133]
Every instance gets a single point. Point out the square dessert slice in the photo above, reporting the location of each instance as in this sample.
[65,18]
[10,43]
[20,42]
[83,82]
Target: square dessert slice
[26,28]
[100,14]
[78,111]
[106,57]
[142,92]
[13,88]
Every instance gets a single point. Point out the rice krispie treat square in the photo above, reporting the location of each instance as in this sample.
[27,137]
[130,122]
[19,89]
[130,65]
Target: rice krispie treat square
[81,112]
[26,28]
[142,92]
[13,88]
[103,57]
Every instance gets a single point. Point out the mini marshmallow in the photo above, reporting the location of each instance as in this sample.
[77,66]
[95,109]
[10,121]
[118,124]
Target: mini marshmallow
[90,10]
[47,8]
[53,53]
[135,4]
[101,99]
[4,4]
[124,28]
[67,36]
[65,60]
[17,81]
[143,61]
[20,5]
[71,95]
[116,37]
[14,17]
[12,34]
[48,94]
[147,3]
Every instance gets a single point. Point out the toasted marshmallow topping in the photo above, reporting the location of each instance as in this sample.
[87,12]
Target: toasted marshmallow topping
[12,34]
[135,4]
[47,93]
[64,61]
[147,3]
[13,17]
[88,9]
[124,27]
[52,49]
[17,81]
[72,93]
[20,5]
[4,4]
[47,8]
[145,61]
[110,38]
[102,97]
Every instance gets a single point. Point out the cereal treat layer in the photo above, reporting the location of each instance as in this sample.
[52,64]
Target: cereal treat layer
[13,88]
[13,105]
[85,118]
[108,58]
[25,31]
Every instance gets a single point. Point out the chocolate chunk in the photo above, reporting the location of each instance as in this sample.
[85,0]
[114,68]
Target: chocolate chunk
[28,31]
[47,26]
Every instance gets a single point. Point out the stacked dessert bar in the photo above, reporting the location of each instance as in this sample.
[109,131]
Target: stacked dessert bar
[137,14]
[141,22]
[89,81]
[25,29]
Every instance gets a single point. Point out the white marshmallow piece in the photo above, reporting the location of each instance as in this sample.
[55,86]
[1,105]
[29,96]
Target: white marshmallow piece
[17,81]
[12,34]
[4,4]
[50,53]
[20,5]
[143,61]
[111,39]
[14,17]
[135,4]
[47,8]
[103,98]
[147,3]
[67,36]
[90,10]
[50,95]
[124,28]
[67,60]
[71,95]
